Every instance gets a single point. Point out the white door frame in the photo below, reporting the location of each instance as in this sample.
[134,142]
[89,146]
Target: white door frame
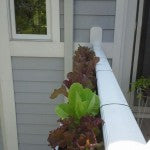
[7,104]
[125,26]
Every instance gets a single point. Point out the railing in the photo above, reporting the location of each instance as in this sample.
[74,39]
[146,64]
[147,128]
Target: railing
[120,130]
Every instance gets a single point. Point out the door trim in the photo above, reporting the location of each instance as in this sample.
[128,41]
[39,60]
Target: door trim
[137,46]
[7,103]
[126,12]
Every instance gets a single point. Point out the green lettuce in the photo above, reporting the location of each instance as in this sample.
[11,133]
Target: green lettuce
[81,102]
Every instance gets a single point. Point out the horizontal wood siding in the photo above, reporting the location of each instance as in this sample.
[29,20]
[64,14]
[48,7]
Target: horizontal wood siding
[34,80]
[90,13]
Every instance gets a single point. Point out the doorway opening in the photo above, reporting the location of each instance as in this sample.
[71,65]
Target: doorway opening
[141,64]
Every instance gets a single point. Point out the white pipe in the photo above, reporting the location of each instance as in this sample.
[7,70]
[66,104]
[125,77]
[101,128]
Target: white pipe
[120,130]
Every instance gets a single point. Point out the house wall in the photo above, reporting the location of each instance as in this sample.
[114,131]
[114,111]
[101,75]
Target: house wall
[90,13]
[35,78]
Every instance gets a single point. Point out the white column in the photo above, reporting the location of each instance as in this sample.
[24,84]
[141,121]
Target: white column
[68,35]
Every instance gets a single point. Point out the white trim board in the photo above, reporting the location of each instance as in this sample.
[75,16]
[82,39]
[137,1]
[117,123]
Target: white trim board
[55,20]
[68,36]
[47,49]
[7,108]
[119,35]
[137,46]
[123,41]
[128,46]
[36,49]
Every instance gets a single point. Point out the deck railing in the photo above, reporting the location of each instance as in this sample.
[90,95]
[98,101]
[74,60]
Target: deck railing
[120,130]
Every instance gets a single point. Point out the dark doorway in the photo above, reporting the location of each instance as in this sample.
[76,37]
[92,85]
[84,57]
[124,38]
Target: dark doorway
[144,52]
[141,64]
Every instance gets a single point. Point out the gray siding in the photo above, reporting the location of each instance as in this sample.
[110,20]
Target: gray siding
[89,13]
[34,80]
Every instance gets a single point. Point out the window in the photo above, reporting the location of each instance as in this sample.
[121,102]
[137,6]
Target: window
[31,19]
[30,16]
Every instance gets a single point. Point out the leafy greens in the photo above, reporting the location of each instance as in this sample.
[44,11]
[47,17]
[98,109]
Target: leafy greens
[81,102]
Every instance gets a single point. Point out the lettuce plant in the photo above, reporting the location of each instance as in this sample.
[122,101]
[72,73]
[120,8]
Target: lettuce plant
[81,125]
[84,62]
[81,102]
[72,136]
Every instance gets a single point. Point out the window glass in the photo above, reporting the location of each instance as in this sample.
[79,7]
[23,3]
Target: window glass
[30,16]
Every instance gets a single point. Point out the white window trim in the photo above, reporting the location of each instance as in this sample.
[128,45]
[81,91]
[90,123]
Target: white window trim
[52,19]
[48,49]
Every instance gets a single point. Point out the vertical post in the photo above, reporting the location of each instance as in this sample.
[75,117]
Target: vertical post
[68,35]
[7,104]
[123,41]
[96,36]
[137,47]
[119,35]
[55,19]
[129,40]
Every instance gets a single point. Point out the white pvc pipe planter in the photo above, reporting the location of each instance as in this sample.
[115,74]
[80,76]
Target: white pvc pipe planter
[120,130]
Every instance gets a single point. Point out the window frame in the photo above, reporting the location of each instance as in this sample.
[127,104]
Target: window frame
[52,21]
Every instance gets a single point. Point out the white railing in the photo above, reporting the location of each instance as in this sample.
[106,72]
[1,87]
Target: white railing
[120,130]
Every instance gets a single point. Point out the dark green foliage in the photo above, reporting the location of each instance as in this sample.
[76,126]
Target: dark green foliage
[142,87]
[30,16]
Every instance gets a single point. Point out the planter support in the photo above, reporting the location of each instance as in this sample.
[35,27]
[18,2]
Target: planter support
[120,130]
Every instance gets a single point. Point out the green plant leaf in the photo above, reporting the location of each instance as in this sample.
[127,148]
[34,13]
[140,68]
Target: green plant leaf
[63,111]
[75,88]
[141,85]
[87,94]
[80,107]
[93,107]
[81,102]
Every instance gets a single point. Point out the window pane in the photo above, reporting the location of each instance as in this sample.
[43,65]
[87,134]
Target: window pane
[30,16]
